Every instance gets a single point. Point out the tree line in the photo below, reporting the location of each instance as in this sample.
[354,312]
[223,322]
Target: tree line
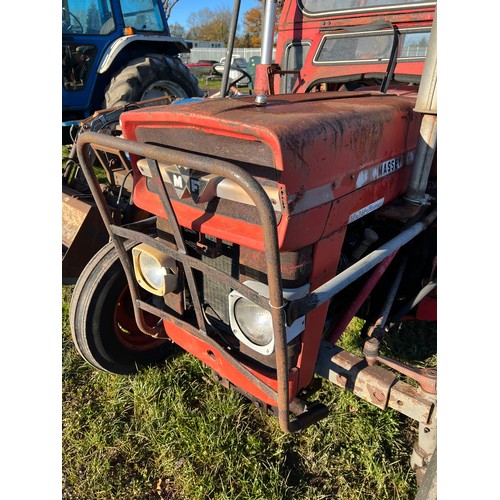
[213,25]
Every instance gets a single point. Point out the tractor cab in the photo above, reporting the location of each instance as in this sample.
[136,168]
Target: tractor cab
[99,37]
[348,45]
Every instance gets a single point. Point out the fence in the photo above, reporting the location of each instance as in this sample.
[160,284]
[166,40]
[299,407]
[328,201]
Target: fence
[413,51]
[216,54]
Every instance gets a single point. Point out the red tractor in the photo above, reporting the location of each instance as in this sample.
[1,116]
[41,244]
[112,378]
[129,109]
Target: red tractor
[278,217]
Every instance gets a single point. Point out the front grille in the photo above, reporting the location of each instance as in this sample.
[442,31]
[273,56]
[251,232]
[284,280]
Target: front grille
[214,293]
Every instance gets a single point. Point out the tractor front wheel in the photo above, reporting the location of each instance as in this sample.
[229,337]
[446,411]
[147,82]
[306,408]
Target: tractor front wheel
[102,319]
[151,77]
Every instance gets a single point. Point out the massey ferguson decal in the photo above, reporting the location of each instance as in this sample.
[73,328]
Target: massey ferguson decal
[188,182]
[387,167]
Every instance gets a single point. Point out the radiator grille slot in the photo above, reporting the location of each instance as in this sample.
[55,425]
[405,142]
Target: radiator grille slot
[214,293]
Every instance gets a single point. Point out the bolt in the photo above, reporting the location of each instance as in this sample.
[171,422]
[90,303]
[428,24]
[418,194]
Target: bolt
[371,350]
[261,100]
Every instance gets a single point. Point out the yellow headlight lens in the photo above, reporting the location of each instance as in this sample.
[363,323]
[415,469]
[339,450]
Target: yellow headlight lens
[154,271]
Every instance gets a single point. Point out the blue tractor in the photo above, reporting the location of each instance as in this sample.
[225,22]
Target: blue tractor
[116,52]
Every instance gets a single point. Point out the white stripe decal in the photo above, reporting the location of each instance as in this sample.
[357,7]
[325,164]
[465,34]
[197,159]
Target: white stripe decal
[366,210]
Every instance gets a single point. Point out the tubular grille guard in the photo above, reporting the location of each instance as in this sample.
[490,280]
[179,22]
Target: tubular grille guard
[274,305]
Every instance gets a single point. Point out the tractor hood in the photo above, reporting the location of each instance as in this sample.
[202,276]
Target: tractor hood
[308,139]
[326,158]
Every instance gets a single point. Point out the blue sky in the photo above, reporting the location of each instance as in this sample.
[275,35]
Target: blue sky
[183,8]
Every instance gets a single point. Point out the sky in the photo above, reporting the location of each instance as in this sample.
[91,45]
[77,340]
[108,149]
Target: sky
[183,8]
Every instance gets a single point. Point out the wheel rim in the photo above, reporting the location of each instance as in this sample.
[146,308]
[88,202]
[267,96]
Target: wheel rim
[125,328]
[163,88]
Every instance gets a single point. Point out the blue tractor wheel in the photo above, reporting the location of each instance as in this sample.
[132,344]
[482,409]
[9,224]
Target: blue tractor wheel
[151,77]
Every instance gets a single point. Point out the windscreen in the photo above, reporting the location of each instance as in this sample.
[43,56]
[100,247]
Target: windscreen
[87,17]
[142,15]
[372,47]
[317,7]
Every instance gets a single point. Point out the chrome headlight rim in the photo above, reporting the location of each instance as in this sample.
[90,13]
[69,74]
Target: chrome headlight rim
[292,331]
[259,314]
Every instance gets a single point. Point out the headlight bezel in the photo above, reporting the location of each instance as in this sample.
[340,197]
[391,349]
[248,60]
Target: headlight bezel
[292,331]
[169,281]
[241,322]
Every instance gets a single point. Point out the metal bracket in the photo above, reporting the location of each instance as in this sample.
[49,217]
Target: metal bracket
[374,384]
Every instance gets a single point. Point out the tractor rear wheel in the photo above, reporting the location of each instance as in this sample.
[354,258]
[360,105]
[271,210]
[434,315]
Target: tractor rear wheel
[102,319]
[151,77]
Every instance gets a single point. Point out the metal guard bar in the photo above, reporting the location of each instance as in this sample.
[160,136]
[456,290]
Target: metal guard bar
[266,213]
[192,262]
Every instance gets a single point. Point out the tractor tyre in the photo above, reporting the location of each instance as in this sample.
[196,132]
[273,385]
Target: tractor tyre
[102,319]
[151,77]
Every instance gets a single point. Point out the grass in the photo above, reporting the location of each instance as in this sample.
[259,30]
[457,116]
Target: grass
[171,433]
[213,85]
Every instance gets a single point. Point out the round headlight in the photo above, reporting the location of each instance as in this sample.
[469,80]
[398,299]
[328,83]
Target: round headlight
[155,272]
[254,322]
[152,271]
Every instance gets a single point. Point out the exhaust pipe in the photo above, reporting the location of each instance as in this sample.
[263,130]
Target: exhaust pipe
[426,104]
[268,32]
[261,76]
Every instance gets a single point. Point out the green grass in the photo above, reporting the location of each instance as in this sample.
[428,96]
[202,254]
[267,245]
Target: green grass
[214,85]
[171,433]
[209,84]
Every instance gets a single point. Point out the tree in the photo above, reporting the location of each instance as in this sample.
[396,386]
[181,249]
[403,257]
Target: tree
[93,20]
[177,30]
[252,22]
[168,5]
[209,24]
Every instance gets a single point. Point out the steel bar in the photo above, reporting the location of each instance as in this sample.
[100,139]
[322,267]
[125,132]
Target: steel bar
[161,191]
[359,300]
[415,301]
[338,283]
[83,147]
[427,104]
[374,384]
[425,377]
[230,46]
[389,301]
[268,32]
[194,263]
